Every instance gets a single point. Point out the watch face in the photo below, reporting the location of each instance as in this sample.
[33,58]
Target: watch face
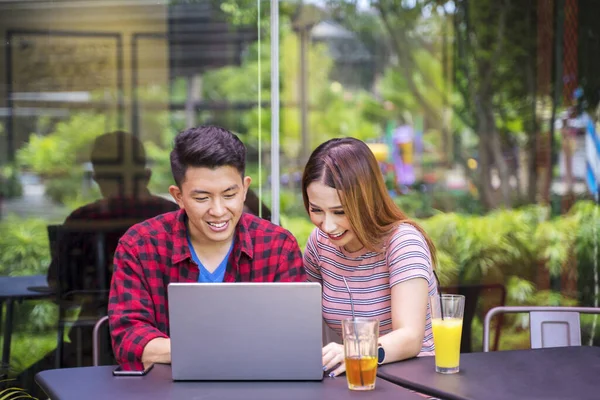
[380,355]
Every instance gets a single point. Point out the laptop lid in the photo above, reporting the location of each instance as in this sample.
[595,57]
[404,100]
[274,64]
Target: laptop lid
[245,331]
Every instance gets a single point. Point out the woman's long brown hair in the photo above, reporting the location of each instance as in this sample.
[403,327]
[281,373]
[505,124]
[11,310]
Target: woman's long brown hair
[349,166]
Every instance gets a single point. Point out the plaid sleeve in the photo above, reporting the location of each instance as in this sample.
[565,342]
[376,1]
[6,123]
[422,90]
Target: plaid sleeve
[289,266]
[311,259]
[131,315]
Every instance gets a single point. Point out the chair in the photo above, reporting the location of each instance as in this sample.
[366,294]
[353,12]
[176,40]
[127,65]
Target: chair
[548,326]
[82,260]
[96,341]
[472,295]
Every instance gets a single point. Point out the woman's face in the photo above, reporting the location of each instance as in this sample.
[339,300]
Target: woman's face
[327,213]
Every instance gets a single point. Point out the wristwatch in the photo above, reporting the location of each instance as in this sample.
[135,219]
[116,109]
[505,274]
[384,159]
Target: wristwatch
[380,354]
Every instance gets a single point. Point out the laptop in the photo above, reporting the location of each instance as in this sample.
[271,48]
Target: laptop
[245,331]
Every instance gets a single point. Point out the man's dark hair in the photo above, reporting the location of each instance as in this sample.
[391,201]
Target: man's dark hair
[118,142]
[206,147]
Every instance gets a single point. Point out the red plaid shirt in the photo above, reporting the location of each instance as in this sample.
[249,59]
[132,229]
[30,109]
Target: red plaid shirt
[155,252]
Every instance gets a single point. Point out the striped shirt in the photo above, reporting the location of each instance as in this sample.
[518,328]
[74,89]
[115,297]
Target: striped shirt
[370,276]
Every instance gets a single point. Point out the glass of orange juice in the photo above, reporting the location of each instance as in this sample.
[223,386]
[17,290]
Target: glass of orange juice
[360,352]
[446,322]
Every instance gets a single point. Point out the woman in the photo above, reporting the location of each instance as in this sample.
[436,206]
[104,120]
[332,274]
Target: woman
[362,235]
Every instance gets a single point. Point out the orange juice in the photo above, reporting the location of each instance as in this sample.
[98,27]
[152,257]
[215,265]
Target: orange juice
[446,338]
[361,372]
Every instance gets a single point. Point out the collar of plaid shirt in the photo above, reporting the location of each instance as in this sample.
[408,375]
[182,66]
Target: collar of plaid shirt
[243,244]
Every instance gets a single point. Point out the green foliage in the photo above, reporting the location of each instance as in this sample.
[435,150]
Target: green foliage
[59,156]
[555,239]
[28,347]
[246,12]
[66,146]
[159,125]
[292,204]
[447,269]
[424,204]
[38,316]
[519,290]
[504,246]
[587,250]
[10,184]
[415,204]
[299,227]
[334,110]
[24,248]
[590,329]
[237,84]
[11,393]
[162,176]
[508,245]
[482,247]
[461,202]
[66,188]
[158,153]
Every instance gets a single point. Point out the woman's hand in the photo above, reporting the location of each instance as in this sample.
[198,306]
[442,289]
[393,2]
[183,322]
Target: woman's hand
[333,355]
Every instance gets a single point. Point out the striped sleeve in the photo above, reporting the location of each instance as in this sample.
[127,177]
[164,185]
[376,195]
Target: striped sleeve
[311,258]
[408,256]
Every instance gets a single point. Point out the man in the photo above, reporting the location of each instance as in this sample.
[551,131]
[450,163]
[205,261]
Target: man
[210,239]
[119,169]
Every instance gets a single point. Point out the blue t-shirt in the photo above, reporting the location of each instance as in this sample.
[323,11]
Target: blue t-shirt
[205,276]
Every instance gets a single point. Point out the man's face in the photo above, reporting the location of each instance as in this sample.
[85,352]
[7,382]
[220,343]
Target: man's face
[213,200]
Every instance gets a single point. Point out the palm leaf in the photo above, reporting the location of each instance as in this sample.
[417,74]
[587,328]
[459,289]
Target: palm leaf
[13,393]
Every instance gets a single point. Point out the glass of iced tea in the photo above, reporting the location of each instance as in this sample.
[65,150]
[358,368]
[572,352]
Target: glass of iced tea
[360,352]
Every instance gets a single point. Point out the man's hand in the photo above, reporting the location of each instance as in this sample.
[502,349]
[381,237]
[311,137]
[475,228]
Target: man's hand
[158,351]
[333,355]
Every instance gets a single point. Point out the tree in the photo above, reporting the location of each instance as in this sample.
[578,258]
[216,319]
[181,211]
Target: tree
[334,110]
[492,90]
[491,57]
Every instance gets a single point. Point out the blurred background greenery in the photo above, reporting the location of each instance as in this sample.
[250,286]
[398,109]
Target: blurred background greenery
[468,77]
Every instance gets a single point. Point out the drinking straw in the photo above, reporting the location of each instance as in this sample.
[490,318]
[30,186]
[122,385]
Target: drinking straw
[355,330]
[439,294]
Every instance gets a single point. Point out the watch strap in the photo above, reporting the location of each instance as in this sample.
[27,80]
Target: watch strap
[380,354]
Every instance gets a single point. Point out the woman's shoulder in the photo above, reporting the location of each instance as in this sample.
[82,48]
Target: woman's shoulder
[406,231]
[408,254]
[406,238]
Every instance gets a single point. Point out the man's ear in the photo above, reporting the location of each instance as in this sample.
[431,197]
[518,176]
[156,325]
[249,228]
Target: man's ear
[247,180]
[176,194]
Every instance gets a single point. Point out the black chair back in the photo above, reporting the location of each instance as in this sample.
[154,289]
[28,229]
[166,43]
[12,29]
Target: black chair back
[82,261]
[472,294]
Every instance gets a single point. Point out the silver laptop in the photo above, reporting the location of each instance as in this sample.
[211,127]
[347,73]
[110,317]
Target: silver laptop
[245,331]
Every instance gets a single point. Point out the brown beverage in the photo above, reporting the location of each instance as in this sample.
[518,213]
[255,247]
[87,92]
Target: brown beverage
[361,372]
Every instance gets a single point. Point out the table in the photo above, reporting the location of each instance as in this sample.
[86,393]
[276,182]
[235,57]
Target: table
[18,288]
[97,383]
[551,373]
